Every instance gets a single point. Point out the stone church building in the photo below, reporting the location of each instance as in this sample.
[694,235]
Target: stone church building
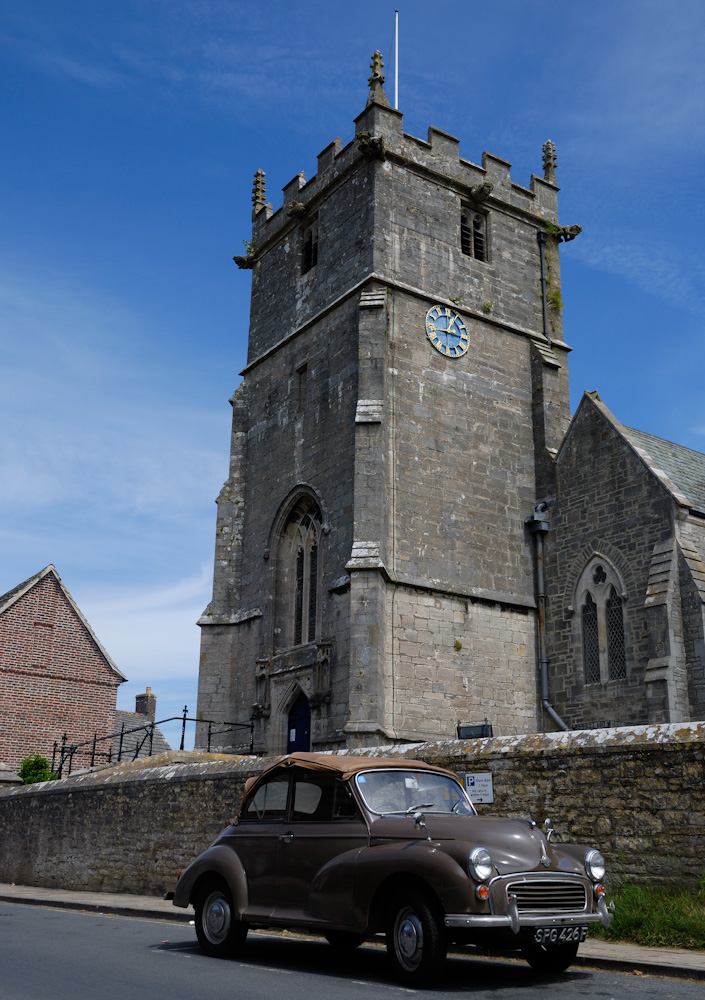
[414,532]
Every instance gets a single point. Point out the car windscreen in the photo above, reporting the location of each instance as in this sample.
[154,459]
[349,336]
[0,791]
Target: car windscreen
[401,791]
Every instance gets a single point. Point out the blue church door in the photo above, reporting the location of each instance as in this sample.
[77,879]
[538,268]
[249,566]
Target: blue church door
[299,723]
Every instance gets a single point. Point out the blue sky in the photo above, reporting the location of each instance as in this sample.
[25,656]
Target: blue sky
[132,130]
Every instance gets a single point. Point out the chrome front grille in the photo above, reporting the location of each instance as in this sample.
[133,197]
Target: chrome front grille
[548,894]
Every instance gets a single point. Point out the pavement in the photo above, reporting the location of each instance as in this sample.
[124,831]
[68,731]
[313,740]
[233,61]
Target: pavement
[630,959]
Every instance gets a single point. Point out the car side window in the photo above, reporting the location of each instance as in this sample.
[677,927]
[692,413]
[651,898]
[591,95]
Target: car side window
[345,806]
[313,798]
[268,802]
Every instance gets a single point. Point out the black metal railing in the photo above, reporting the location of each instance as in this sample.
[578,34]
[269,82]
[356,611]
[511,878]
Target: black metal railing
[88,753]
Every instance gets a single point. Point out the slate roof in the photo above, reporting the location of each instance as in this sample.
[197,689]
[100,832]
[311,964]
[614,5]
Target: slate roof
[130,741]
[684,467]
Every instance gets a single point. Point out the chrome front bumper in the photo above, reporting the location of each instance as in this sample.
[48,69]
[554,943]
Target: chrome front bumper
[515,920]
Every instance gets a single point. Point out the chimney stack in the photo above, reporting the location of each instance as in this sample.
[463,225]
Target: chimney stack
[146,704]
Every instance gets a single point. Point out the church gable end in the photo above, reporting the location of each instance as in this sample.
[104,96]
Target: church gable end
[612,517]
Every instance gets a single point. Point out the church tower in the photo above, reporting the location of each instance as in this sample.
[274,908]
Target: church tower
[405,390]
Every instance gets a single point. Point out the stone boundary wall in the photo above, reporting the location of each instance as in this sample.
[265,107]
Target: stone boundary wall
[638,794]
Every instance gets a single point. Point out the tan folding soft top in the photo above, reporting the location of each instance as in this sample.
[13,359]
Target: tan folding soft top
[346,765]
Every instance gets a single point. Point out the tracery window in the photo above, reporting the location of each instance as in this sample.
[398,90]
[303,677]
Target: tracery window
[591,642]
[306,594]
[616,657]
[598,596]
[297,598]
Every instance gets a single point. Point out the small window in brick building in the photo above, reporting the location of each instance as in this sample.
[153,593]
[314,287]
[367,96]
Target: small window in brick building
[309,247]
[601,607]
[473,234]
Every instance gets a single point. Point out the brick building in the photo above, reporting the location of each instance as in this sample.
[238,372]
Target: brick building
[401,421]
[55,676]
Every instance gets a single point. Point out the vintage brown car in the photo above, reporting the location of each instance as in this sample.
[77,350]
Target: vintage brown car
[351,846]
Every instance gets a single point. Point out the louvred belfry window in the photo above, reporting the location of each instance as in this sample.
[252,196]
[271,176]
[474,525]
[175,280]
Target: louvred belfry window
[473,234]
[309,248]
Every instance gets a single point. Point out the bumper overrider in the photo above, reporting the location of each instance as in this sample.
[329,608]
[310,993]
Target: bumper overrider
[523,913]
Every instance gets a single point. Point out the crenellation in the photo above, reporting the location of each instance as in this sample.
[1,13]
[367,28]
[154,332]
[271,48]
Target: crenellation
[443,145]
[291,192]
[328,157]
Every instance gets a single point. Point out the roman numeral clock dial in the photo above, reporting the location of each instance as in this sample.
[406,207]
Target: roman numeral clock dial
[446,331]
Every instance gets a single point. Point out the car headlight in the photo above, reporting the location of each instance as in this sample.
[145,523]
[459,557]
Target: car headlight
[480,864]
[595,866]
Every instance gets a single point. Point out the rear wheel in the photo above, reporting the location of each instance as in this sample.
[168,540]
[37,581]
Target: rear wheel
[416,942]
[345,939]
[218,930]
[550,958]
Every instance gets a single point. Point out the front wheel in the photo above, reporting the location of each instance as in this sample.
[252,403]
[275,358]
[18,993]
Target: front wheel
[416,942]
[218,930]
[550,958]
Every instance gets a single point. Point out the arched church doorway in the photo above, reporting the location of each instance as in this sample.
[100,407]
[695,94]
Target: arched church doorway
[299,725]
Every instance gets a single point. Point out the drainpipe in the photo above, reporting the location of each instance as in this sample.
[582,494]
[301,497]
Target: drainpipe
[541,237]
[538,526]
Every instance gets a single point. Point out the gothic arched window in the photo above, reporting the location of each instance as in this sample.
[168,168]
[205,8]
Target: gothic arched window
[616,656]
[306,591]
[591,642]
[602,622]
[298,574]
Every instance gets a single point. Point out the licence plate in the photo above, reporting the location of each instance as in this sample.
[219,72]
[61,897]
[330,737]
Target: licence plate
[560,935]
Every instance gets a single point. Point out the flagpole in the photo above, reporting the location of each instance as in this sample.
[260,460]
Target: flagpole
[396,58]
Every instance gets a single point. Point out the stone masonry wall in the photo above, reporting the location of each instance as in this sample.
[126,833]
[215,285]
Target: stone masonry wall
[637,794]
[461,437]
[459,660]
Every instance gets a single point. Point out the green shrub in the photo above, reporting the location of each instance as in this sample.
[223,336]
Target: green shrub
[35,768]
[657,915]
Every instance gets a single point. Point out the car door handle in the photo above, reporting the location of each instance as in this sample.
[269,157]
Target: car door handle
[287,837]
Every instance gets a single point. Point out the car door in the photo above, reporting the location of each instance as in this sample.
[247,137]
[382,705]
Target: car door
[256,841]
[324,822]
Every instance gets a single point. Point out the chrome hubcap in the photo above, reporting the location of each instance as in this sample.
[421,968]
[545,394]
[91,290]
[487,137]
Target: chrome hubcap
[408,939]
[216,918]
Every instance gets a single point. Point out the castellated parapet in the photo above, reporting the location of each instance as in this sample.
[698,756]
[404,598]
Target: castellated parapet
[387,202]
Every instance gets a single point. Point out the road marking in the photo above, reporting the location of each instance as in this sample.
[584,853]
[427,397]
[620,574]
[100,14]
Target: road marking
[265,968]
[398,989]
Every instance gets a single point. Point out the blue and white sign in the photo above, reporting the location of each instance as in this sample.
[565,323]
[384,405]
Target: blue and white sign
[478,785]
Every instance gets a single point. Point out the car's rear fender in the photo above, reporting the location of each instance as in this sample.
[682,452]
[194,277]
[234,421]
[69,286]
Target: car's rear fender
[216,861]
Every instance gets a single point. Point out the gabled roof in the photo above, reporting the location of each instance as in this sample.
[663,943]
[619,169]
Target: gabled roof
[680,470]
[12,596]
[683,467]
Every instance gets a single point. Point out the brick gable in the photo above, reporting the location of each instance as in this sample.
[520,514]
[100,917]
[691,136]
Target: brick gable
[54,675]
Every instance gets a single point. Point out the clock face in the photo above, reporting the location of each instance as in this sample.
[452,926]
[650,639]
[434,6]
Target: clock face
[446,331]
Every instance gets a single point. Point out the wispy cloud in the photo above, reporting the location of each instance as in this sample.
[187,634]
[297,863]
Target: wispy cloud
[161,640]
[651,265]
[86,424]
